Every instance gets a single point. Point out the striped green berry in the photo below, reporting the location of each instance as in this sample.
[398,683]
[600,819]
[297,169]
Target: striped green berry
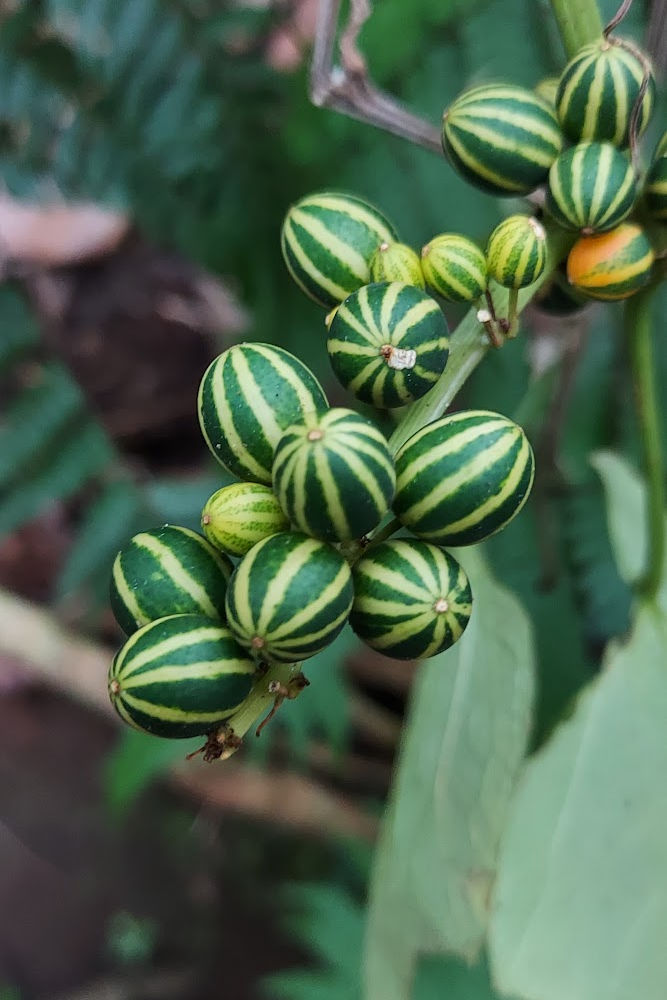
[611,265]
[328,241]
[517,251]
[592,187]
[655,188]
[238,516]
[547,90]
[247,397]
[180,676]
[597,91]
[454,267]
[412,600]
[388,344]
[289,597]
[397,262]
[463,477]
[501,138]
[334,475]
[167,571]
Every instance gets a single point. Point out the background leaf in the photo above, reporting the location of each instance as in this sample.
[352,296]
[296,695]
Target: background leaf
[580,905]
[626,512]
[464,739]
[135,761]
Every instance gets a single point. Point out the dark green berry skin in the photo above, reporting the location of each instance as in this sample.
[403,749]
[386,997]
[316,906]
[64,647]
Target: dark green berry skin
[289,597]
[167,571]
[247,397]
[463,477]
[597,91]
[368,330]
[328,241]
[180,676]
[412,600]
[592,187]
[334,475]
[501,138]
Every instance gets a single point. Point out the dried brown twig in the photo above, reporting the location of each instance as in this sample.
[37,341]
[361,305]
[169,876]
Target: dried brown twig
[347,87]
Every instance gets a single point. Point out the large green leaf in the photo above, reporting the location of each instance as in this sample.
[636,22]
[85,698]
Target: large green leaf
[465,738]
[580,907]
[329,922]
[626,512]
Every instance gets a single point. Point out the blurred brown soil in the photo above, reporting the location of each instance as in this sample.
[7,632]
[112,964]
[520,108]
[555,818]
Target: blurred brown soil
[137,329]
[66,868]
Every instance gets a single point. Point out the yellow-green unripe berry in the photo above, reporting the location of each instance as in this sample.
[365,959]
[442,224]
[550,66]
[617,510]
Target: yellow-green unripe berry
[397,262]
[454,267]
[238,516]
[516,252]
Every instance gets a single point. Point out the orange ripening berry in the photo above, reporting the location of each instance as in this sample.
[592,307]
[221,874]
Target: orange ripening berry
[612,265]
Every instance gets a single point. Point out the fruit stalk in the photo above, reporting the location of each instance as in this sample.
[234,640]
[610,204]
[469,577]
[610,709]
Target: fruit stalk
[470,343]
[282,680]
[639,332]
[579,23]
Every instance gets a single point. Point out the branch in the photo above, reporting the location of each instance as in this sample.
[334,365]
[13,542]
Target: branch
[347,87]
[640,336]
[77,667]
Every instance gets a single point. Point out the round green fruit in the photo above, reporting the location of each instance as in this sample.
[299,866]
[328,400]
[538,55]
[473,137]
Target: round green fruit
[454,267]
[247,397]
[334,475]
[397,262]
[592,187]
[180,676]
[289,597]
[388,344]
[597,91]
[517,251]
[501,138]
[328,241]
[463,477]
[167,571]
[412,600]
[238,516]
[611,266]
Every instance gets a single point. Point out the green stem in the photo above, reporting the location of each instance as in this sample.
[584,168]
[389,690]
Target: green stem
[469,344]
[579,23]
[639,330]
[280,680]
[385,531]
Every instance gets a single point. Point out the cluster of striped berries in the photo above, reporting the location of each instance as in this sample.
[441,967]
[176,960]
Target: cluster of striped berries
[285,559]
[344,254]
[299,545]
[509,140]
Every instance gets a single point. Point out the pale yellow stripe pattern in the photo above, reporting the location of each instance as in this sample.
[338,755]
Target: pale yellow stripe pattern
[126,594]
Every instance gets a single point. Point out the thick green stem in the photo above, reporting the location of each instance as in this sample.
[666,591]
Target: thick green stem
[470,343]
[579,23]
[639,332]
[283,680]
